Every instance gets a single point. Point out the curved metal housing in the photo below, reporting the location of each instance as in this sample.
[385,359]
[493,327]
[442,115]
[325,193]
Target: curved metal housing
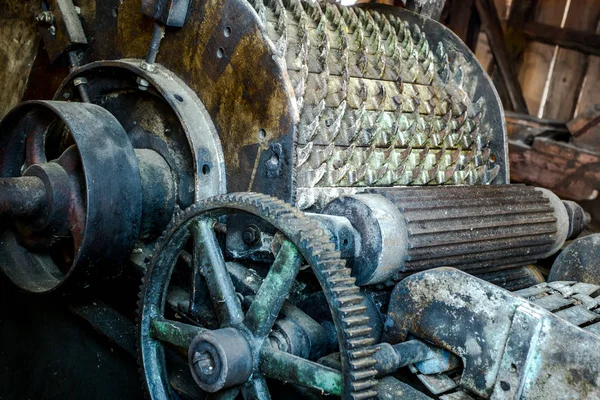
[510,347]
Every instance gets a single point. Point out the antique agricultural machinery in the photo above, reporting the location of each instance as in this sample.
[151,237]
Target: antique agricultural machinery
[317,198]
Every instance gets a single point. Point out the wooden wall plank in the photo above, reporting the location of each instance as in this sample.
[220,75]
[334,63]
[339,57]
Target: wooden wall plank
[571,65]
[537,56]
[590,88]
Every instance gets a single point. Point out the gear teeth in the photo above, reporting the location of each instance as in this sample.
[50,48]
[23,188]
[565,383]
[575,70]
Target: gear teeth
[363,363]
[363,385]
[364,395]
[351,300]
[341,280]
[353,310]
[361,342]
[359,331]
[366,374]
[356,320]
[363,352]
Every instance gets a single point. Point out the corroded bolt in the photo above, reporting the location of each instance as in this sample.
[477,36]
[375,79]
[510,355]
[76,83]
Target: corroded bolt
[142,83]
[204,362]
[251,235]
[79,81]
[45,17]
[147,66]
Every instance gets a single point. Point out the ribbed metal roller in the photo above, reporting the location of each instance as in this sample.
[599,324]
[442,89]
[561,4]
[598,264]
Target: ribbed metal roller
[515,278]
[477,228]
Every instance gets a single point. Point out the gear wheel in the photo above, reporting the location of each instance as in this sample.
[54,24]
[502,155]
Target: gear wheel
[219,358]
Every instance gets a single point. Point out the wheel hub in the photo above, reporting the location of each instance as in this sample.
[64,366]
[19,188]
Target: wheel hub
[220,359]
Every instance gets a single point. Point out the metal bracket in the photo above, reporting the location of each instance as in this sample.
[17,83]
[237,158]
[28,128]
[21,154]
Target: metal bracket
[61,28]
[167,12]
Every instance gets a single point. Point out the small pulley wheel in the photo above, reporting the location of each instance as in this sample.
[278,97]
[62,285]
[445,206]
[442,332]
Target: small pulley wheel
[69,178]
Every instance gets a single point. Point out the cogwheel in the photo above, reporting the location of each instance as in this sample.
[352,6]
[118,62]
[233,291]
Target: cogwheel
[304,239]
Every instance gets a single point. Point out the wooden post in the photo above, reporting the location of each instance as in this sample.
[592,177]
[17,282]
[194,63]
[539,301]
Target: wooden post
[490,23]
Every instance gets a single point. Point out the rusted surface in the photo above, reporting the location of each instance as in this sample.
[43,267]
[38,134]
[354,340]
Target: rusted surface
[585,129]
[244,91]
[514,278]
[167,116]
[19,38]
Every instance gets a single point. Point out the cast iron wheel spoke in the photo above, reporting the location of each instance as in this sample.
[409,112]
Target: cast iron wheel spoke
[256,389]
[174,332]
[293,369]
[34,151]
[274,289]
[208,259]
[227,394]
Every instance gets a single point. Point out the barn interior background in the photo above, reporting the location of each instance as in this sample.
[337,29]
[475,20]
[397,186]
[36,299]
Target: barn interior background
[544,57]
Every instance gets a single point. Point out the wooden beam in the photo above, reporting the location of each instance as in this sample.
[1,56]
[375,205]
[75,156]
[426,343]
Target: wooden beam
[460,18]
[520,12]
[585,42]
[490,23]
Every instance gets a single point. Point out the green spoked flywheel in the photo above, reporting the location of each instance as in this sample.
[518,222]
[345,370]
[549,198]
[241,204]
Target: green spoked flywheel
[234,325]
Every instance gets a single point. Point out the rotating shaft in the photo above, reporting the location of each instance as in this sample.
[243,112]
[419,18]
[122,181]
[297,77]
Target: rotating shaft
[22,197]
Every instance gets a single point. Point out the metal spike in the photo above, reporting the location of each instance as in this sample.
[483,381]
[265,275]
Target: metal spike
[325,155]
[361,172]
[381,172]
[313,177]
[444,73]
[446,175]
[458,77]
[303,153]
[398,174]
[339,174]
[349,153]
[369,153]
[441,53]
[455,156]
[404,154]
[422,155]
[416,175]
[490,175]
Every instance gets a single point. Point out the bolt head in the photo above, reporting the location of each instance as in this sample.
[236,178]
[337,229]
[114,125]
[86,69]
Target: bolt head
[204,362]
[142,83]
[251,235]
[220,359]
[147,66]
[79,81]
